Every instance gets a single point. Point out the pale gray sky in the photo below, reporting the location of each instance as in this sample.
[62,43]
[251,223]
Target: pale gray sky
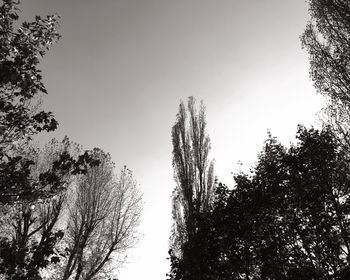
[116,77]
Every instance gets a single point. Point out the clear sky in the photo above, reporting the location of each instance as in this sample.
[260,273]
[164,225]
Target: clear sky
[116,77]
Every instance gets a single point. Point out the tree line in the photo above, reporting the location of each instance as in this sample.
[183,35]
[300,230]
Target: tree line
[65,213]
[289,217]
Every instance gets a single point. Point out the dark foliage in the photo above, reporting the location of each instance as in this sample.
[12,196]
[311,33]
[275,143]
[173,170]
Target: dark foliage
[327,40]
[289,219]
[20,78]
[23,260]
[20,89]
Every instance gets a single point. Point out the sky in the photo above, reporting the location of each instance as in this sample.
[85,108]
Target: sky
[116,77]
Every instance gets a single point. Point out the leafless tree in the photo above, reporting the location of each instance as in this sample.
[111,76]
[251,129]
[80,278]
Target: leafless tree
[103,220]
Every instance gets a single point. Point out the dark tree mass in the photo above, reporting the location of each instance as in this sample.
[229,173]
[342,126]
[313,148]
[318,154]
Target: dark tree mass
[290,217]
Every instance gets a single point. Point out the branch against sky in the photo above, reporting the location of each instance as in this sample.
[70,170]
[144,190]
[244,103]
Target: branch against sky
[20,78]
[21,89]
[327,40]
[29,230]
[103,220]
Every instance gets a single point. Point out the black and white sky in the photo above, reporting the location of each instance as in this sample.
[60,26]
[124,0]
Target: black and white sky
[116,77]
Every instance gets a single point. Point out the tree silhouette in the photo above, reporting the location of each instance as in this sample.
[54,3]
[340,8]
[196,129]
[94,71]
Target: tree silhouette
[288,219]
[327,40]
[103,219]
[194,178]
[21,89]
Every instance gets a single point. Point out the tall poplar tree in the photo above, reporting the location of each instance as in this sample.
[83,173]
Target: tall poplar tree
[193,172]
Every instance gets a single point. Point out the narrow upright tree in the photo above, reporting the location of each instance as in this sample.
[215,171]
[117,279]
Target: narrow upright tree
[193,173]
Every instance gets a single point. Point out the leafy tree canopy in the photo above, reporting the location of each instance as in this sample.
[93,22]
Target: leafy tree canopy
[21,88]
[288,219]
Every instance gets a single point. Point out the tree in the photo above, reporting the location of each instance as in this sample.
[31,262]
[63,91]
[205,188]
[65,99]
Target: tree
[78,231]
[29,229]
[103,218]
[327,40]
[193,175]
[33,188]
[20,86]
[308,197]
[288,219]
[20,78]
[21,89]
